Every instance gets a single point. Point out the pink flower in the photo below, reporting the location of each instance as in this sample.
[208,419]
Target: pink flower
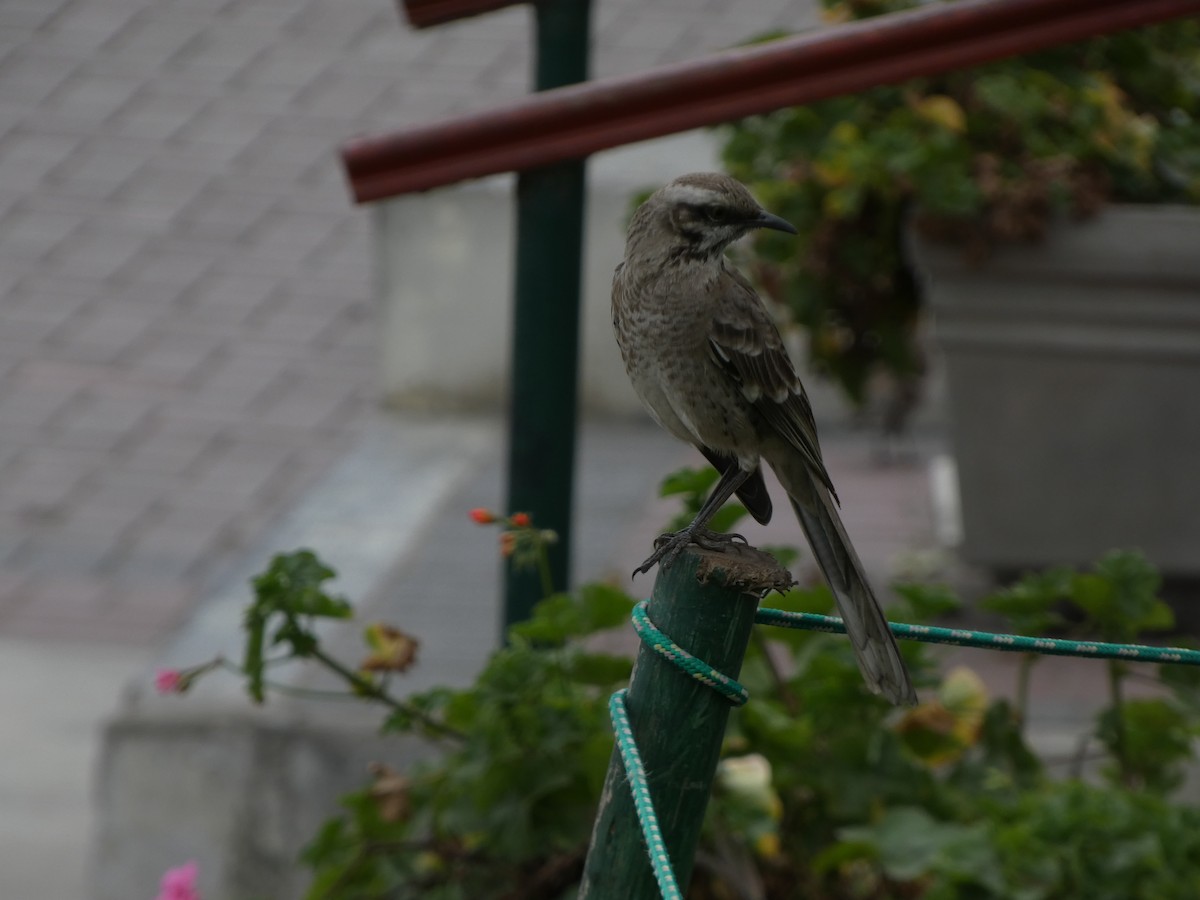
[180,883]
[168,681]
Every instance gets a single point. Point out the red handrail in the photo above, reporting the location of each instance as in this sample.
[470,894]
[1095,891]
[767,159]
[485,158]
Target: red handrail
[573,122]
[424,13]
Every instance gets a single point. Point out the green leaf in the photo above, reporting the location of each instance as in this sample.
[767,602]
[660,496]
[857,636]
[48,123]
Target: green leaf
[254,625]
[909,843]
[599,669]
[1119,597]
[1154,738]
[1031,604]
[688,480]
[293,583]
[595,607]
[927,601]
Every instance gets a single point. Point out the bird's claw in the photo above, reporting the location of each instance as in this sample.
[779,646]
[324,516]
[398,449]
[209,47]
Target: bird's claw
[668,546]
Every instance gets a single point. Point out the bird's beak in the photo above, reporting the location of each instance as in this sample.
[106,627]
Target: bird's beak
[767,220]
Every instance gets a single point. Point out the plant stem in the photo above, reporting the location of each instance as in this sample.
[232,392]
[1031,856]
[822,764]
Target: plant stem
[785,692]
[370,689]
[1024,671]
[544,570]
[1116,674]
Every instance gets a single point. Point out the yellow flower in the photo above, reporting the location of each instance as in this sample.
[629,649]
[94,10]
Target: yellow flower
[941,730]
[942,110]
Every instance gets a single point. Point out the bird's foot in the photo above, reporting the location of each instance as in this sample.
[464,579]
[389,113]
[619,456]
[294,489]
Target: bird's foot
[667,547]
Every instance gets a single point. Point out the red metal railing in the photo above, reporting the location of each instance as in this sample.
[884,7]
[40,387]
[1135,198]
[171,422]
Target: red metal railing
[573,122]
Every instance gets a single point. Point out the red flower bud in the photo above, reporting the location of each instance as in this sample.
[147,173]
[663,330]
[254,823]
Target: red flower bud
[169,681]
[481,516]
[521,520]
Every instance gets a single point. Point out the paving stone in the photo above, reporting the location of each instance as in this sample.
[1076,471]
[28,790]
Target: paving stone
[265,17]
[149,41]
[66,377]
[333,27]
[62,609]
[289,155]
[165,263]
[185,297]
[27,406]
[288,65]
[158,603]
[100,421]
[28,16]
[219,54]
[19,333]
[58,595]
[98,335]
[86,26]
[163,450]
[29,77]
[241,377]
[312,402]
[26,158]
[176,543]
[126,492]
[208,309]
[172,357]
[385,46]
[95,254]
[161,193]
[36,232]
[88,97]
[100,166]
[28,625]
[154,113]
[233,478]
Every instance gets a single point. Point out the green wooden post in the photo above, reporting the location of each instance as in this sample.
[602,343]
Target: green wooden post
[545,360]
[706,603]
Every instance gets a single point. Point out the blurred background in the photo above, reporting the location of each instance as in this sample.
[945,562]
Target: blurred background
[209,355]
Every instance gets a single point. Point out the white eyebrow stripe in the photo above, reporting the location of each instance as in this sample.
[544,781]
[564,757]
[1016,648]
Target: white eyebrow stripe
[690,193]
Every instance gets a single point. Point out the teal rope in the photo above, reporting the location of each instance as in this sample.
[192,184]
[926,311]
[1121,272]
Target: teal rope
[1015,643]
[736,694]
[643,803]
[697,668]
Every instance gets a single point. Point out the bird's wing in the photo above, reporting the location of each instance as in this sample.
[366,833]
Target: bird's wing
[746,344]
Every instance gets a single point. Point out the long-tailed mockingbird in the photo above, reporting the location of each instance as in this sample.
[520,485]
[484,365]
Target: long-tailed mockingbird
[710,366]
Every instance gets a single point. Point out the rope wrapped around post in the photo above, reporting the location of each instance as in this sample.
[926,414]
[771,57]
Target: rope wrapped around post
[644,709]
[671,721]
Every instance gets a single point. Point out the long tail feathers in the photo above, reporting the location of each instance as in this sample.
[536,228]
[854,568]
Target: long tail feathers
[873,642]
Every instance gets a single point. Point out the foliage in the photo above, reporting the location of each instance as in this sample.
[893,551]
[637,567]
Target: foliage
[824,791]
[289,596]
[514,800]
[988,155]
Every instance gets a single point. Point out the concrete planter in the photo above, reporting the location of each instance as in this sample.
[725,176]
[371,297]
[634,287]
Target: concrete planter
[1073,380]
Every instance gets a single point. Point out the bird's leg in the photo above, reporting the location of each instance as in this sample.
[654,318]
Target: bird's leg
[668,546]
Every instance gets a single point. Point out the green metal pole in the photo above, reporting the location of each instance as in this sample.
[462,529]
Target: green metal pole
[545,361]
[706,603]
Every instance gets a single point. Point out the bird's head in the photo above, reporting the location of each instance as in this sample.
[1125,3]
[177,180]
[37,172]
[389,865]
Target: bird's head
[699,215]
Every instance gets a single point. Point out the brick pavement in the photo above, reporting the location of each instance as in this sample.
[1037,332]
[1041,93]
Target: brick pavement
[185,291]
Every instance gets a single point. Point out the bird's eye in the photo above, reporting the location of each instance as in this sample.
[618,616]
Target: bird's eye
[716,214]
